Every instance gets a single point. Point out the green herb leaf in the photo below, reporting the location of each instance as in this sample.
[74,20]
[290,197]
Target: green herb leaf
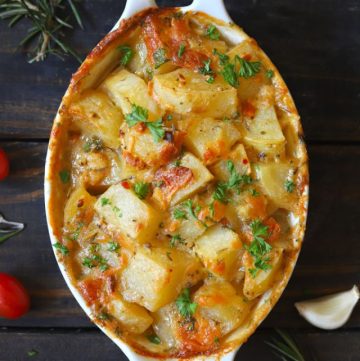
[117,211]
[141,189]
[156,129]
[224,59]
[159,57]
[254,192]
[175,240]
[138,114]
[179,214]
[154,339]
[269,73]
[113,246]
[93,144]
[230,75]
[126,54]
[64,176]
[105,201]
[212,32]
[248,69]
[60,247]
[184,304]
[289,185]
[181,50]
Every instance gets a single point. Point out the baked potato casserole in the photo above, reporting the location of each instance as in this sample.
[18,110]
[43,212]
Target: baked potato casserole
[178,184]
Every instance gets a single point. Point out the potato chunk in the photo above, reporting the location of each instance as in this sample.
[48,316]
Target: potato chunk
[122,209]
[272,178]
[126,89]
[219,249]
[131,316]
[96,116]
[155,277]
[184,91]
[210,139]
[241,163]
[263,280]
[201,176]
[218,301]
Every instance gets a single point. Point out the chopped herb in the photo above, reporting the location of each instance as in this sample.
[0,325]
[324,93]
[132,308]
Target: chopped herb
[103,316]
[222,57]
[159,57]
[150,73]
[93,144]
[104,201]
[212,209]
[75,235]
[113,246]
[206,70]
[88,262]
[220,193]
[177,162]
[254,192]
[248,68]
[95,260]
[229,74]
[60,247]
[289,185]
[179,213]
[181,50]
[32,353]
[191,211]
[216,340]
[212,32]
[269,73]
[156,129]
[141,189]
[184,304]
[126,54]
[117,211]
[168,255]
[259,248]
[64,176]
[175,239]
[169,117]
[154,339]
[140,115]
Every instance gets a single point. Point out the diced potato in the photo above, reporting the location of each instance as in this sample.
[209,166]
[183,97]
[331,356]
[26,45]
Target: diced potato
[210,139]
[219,249]
[122,209]
[166,322]
[201,176]
[155,277]
[184,91]
[241,162]
[190,229]
[263,280]
[249,207]
[126,89]
[131,316]
[218,301]
[78,208]
[96,116]
[272,177]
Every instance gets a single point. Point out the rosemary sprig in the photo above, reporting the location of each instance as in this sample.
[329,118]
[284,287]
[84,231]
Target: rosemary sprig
[285,347]
[48,20]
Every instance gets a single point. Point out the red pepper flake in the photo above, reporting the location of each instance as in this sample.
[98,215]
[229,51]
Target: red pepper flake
[126,184]
[245,161]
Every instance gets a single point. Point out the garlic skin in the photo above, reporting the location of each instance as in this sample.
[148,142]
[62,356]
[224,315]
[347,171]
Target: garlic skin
[329,312]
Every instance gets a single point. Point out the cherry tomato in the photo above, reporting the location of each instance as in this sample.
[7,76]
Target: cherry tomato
[14,299]
[4,165]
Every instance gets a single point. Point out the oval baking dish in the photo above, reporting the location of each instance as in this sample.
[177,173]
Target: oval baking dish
[176,183]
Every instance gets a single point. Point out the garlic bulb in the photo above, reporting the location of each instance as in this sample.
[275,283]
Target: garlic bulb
[331,311]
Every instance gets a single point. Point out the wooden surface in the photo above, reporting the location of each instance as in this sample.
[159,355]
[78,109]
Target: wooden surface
[316,46]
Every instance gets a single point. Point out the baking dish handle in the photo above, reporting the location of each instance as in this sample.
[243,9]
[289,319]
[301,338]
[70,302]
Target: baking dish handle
[215,8]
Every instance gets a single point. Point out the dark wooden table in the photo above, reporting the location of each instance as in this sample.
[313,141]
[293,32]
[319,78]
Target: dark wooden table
[316,46]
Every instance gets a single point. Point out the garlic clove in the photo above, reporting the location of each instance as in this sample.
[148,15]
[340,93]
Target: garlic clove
[329,312]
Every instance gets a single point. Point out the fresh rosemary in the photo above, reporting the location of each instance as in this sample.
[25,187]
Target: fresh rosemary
[285,347]
[48,19]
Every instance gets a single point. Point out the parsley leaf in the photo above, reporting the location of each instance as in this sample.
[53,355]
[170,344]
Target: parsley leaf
[141,189]
[156,129]
[269,73]
[138,114]
[175,239]
[212,32]
[181,50]
[63,249]
[64,176]
[154,339]
[222,57]
[254,192]
[184,304]
[289,185]
[179,214]
[104,201]
[159,57]
[248,68]
[113,246]
[126,54]
[206,70]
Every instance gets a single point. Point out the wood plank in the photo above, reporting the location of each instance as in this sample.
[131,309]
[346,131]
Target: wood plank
[312,62]
[66,345]
[330,259]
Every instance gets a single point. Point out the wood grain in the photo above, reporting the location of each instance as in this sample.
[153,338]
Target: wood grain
[330,259]
[313,43]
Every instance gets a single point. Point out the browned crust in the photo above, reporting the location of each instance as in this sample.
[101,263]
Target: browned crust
[58,138]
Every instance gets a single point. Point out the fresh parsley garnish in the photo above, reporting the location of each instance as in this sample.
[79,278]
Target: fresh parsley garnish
[154,339]
[248,68]
[159,57]
[184,304]
[60,247]
[95,260]
[259,248]
[223,58]
[254,192]
[64,176]
[181,50]
[140,115]
[289,186]
[206,70]
[179,214]
[126,54]
[113,246]
[212,32]
[175,240]
[141,189]
[269,73]
[104,201]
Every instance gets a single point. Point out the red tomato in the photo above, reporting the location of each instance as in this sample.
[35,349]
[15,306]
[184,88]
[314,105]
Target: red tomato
[4,165]
[14,299]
